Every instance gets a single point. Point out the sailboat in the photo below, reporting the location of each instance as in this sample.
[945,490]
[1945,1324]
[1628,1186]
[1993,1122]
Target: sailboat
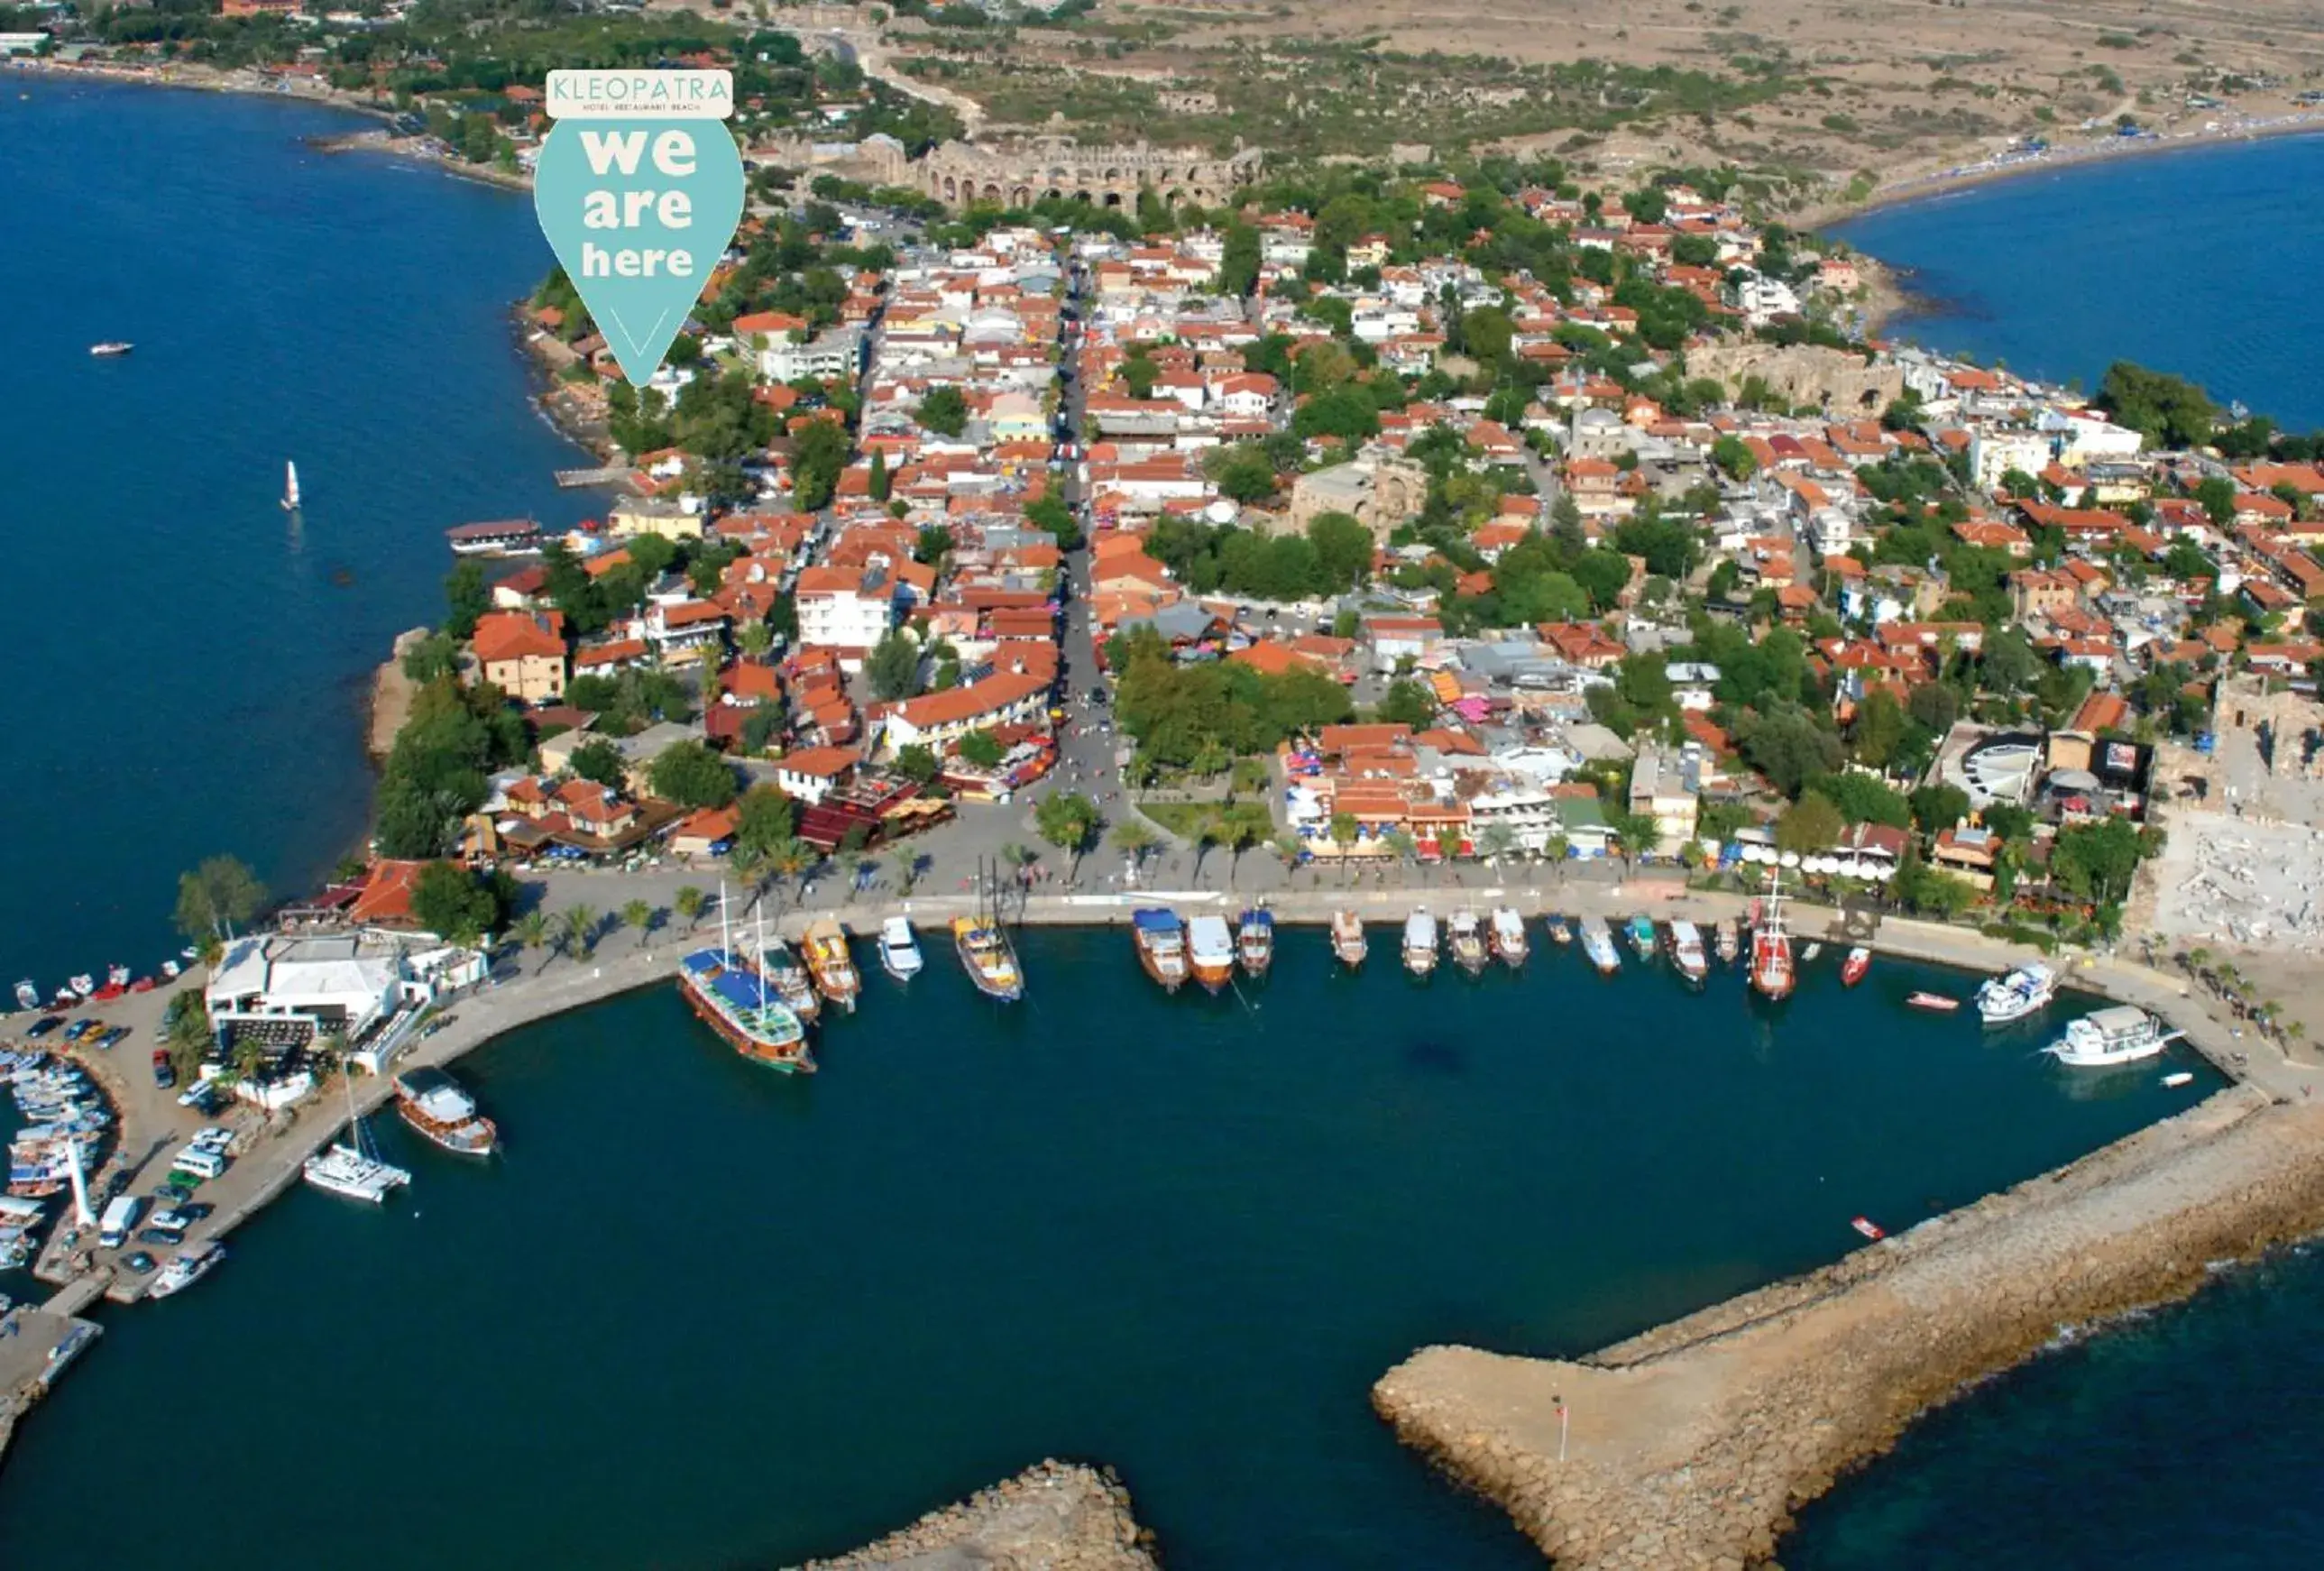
[351,1168]
[289,486]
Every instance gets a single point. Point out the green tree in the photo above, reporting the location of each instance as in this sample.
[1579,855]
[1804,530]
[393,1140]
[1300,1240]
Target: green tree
[944,410]
[916,762]
[818,454]
[1069,821]
[1863,800]
[467,597]
[1937,808]
[2217,492]
[980,748]
[2167,410]
[602,761]
[1343,551]
[1808,826]
[1878,727]
[690,775]
[580,932]
[688,902]
[448,901]
[1242,826]
[1344,832]
[2097,861]
[216,896]
[1730,453]
[638,916]
[881,483]
[764,820]
[1407,703]
[532,929]
[894,666]
[1135,841]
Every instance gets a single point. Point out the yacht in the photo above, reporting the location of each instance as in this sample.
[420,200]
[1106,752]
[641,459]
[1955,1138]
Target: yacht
[1598,943]
[2022,992]
[1420,943]
[900,951]
[28,996]
[1687,952]
[439,1109]
[2121,1034]
[1348,941]
[745,1004]
[185,1270]
[1509,937]
[986,955]
[789,979]
[111,348]
[1159,936]
[1468,942]
[1210,951]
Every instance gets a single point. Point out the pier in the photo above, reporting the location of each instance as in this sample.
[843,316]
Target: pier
[583,479]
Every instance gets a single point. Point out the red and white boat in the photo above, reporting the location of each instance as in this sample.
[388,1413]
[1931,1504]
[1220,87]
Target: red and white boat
[1936,1001]
[1771,945]
[1870,1230]
[1852,969]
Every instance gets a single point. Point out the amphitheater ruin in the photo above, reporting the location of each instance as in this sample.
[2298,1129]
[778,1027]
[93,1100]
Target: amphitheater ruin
[1016,174]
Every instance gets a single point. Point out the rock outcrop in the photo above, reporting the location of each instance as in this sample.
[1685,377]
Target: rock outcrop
[1688,1447]
[1056,1517]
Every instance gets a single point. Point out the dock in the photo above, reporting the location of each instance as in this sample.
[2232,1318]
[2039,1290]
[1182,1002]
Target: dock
[583,479]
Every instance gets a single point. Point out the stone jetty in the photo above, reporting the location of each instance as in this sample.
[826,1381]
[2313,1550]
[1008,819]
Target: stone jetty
[1056,1517]
[1688,1447]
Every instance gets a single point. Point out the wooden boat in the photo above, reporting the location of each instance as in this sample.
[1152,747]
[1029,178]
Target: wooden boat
[829,964]
[789,979]
[1686,950]
[1468,942]
[1937,1002]
[1598,943]
[1640,931]
[439,1109]
[986,955]
[1730,947]
[1420,943]
[1348,938]
[1159,937]
[1852,969]
[1255,940]
[1210,952]
[1507,936]
[1771,946]
[745,1006]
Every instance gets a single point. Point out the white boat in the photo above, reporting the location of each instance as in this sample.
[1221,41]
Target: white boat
[2022,992]
[28,996]
[82,985]
[2173,1082]
[1420,943]
[1509,937]
[2119,1034]
[185,1270]
[1210,951]
[349,1168]
[117,975]
[1598,943]
[289,486]
[169,969]
[1468,942]
[899,951]
[111,348]
[1687,952]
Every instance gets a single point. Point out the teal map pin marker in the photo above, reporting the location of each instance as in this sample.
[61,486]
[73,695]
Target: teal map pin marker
[639,188]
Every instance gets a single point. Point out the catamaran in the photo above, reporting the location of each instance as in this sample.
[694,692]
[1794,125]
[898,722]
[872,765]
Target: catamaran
[1687,952]
[742,1003]
[2026,990]
[351,1168]
[1509,937]
[1210,951]
[900,951]
[1598,943]
[1771,945]
[2121,1034]
[1420,943]
[289,486]
[829,964]
[439,1109]
[1255,940]
[1348,943]
[1468,942]
[1159,936]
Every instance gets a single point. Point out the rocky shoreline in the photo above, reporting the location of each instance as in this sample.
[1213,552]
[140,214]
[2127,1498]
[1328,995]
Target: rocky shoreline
[1690,1446]
[1054,1517]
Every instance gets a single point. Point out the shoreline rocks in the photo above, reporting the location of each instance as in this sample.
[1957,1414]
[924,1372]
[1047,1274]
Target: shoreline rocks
[392,693]
[1690,1445]
[1056,1516]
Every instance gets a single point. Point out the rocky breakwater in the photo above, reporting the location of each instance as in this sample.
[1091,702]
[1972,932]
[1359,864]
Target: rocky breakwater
[1056,1517]
[1688,1447]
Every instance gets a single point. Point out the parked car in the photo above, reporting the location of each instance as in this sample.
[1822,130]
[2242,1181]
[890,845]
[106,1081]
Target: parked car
[165,1074]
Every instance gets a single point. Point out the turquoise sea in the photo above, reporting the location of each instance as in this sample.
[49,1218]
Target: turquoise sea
[187,666]
[701,1316]
[2190,262]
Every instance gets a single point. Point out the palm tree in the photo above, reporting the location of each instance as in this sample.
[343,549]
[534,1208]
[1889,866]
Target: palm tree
[580,932]
[1558,847]
[1242,827]
[792,858]
[1133,840]
[749,863]
[689,903]
[1495,841]
[1288,846]
[532,929]
[1208,834]
[638,914]
[249,1057]
[1401,845]
[1344,831]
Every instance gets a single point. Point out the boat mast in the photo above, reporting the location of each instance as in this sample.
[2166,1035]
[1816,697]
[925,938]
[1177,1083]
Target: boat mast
[725,939]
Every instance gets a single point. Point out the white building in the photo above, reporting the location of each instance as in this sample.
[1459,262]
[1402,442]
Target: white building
[839,608]
[837,353]
[1994,453]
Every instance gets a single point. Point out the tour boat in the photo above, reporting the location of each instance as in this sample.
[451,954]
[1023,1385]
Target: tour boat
[111,348]
[1420,943]
[117,975]
[744,1003]
[1468,941]
[1509,937]
[2119,1034]
[1935,1002]
[187,1270]
[1598,943]
[1771,946]
[28,996]
[900,951]
[1255,940]
[1210,951]
[1159,936]
[789,979]
[1687,952]
[441,1111]
[1640,931]
[2026,990]
[289,486]
[986,955]
[1852,969]
[1561,931]
[1348,941]
[1870,1229]
[823,946]
[1723,938]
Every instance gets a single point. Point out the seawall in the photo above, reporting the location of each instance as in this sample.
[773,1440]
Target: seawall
[1056,1517]
[1688,1447]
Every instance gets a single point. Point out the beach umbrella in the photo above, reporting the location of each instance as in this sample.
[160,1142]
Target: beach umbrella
[1789,859]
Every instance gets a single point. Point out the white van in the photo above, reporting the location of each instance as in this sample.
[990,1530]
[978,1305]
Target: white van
[200,1162]
[120,1220]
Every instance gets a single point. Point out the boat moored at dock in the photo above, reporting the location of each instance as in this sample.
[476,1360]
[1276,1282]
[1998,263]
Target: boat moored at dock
[1687,952]
[1349,945]
[1255,940]
[1640,930]
[2023,992]
[1210,951]
[789,979]
[829,964]
[439,1109]
[986,955]
[745,1004]
[1507,936]
[351,1168]
[185,1270]
[1724,939]
[1420,943]
[1561,931]
[1852,969]
[2119,1034]
[900,951]
[1598,943]
[1159,936]
[1772,975]
[1468,942]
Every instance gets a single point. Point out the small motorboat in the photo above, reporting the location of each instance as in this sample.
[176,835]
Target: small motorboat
[81,986]
[1852,969]
[900,951]
[28,996]
[1561,931]
[1468,941]
[1640,931]
[2173,1082]
[112,348]
[1870,1229]
[1508,935]
[1348,943]
[1812,951]
[1727,937]
[1936,1001]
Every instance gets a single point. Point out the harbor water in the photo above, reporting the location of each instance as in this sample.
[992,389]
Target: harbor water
[703,1315]
[188,666]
